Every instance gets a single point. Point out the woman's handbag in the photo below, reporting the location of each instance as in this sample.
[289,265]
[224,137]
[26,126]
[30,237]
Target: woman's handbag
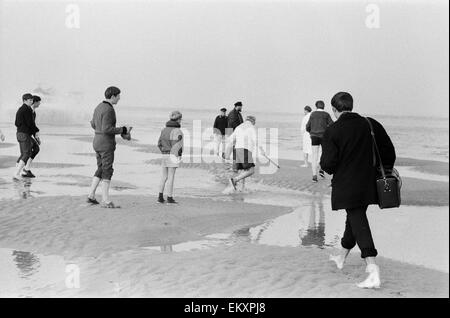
[389,183]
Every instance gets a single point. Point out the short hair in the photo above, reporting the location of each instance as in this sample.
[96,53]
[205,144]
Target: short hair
[251,119]
[175,115]
[342,101]
[237,104]
[111,91]
[27,96]
[308,109]
[320,104]
[36,99]
[223,109]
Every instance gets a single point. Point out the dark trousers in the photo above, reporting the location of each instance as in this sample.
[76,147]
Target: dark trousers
[357,231]
[26,146]
[105,160]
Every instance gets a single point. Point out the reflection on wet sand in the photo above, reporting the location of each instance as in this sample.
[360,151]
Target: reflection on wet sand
[23,188]
[26,262]
[314,235]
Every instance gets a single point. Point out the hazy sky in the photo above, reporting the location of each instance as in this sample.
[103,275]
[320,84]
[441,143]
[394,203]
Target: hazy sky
[272,55]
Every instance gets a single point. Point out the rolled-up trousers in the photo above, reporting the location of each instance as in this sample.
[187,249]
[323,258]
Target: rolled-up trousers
[357,231]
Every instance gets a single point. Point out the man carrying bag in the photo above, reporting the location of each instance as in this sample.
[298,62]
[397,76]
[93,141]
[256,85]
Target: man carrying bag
[347,154]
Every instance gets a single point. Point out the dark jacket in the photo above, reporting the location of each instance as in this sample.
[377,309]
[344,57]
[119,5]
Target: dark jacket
[234,119]
[171,139]
[104,123]
[25,120]
[347,155]
[221,123]
[318,123]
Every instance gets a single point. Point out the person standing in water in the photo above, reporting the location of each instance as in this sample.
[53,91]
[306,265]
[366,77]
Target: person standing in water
[245,144]
[220,125]
[318,122]
[170,144]
[26,128]
[104,124]
[306,138]
[2,137]
[348,155]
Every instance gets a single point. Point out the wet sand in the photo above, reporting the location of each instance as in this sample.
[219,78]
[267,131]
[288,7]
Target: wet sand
[292,176]
[105,244]
[109,245]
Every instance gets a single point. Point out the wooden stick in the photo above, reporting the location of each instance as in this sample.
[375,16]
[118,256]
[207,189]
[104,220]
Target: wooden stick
[272,162]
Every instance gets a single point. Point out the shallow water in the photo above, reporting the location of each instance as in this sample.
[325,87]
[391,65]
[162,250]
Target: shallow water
[22,273]
[415,235]
[408,234]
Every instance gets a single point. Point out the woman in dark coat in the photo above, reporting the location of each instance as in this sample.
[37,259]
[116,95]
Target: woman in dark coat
[347,154]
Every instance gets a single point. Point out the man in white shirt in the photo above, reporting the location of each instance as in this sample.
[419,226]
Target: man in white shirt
[306,138]
[245,151]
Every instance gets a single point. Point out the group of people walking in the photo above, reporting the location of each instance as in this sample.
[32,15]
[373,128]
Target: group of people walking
[341,148]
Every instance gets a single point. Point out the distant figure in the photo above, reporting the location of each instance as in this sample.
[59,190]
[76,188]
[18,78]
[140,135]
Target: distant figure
[234,120]
[348,156]
[318,122]
[307,151]
[36,142]
[220,125]
[26,128]
[245,149]
[2,137]
[235,117]
[104,124]
[170,144]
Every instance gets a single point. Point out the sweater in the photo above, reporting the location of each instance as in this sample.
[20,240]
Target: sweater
[25,120]
[318,123]
[221,123]
[234,119]
[104,123]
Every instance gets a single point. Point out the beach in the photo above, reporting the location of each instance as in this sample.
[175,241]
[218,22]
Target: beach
[273,240]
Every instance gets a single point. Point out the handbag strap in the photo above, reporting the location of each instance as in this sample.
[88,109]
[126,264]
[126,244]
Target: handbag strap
[376,152]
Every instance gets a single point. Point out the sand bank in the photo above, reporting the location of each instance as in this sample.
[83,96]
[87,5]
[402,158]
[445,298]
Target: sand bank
[108,246]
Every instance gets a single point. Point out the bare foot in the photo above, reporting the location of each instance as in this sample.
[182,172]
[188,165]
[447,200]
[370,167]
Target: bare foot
[338,259]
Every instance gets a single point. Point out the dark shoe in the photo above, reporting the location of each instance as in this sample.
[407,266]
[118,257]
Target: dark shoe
[314,179]
[161,200]
[28,174]
[171,200]
[92,201]
[322,174]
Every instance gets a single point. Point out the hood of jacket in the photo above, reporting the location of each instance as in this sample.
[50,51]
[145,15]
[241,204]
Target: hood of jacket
[173,123]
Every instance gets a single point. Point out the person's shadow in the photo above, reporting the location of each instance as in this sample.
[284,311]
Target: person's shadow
[314,235]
